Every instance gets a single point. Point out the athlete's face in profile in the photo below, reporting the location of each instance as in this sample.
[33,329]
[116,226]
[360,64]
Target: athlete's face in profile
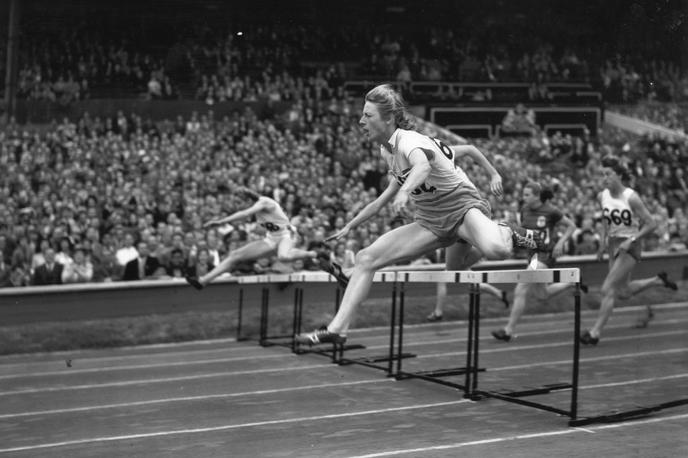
[529,196]
[609,176]
[373,124]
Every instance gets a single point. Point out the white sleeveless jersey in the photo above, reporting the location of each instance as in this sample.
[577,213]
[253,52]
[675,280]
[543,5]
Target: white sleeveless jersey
[621,221]
[273,217]
[444,176]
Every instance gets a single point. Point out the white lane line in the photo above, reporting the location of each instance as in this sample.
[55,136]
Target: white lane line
[345,415]
[315,366]
[230,427]
[165,379]
[540,318]
[194,398]
[634,382]
[73,371]
[591,360]
[286,390]
[568,332]
[589,430]
[507,348]
[22,360]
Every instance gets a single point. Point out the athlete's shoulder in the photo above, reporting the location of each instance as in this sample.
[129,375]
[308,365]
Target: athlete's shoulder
[266,202]
[628,192]
[407,137]
[551,209]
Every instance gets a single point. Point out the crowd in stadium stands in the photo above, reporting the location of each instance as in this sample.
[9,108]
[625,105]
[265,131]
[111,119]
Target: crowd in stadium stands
[92,196]
[83,201]
[268,61]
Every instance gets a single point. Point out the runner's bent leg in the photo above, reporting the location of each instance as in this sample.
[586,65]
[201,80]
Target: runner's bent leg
[403,243]
[491,239]
[617,279]
[249,252]
[287,252]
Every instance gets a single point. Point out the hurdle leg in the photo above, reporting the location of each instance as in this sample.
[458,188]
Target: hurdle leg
[264,317]
[476,340]
[469,343]
[576,353]
[337,349]
[239,338]
[296,323]
[392,325]
[400,337]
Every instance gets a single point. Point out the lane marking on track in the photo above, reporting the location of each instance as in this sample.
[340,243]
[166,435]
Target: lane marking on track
[75,371]
[316,366]
[593,359]
[345,415]
[165,379]
[286,390]
[589,430]
[540,318]
[92,370]
[506,348]
[230,427]
[195,398]
[515,346]
[416,338]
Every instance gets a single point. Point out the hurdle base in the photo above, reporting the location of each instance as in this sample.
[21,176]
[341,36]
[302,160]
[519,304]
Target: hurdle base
[626,415]
[481,394]
[270,342]
[438,373]
[536,391]
[329,351]
[375,359]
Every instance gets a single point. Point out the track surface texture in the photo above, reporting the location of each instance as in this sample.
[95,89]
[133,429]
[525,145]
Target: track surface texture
[238,399]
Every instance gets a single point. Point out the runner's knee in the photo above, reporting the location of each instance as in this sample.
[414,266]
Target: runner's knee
[495,250]
[365,260]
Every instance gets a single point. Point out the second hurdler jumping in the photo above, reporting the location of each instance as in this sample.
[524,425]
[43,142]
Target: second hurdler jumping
[447,207]
[279,240]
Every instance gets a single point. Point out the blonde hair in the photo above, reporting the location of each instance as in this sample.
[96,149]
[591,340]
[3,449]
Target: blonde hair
[390,103]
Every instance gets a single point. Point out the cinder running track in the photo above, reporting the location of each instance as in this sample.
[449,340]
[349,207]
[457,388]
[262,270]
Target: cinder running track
[237,399]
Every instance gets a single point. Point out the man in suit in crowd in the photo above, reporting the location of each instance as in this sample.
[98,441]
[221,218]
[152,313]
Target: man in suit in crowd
[49,273]
[144,266]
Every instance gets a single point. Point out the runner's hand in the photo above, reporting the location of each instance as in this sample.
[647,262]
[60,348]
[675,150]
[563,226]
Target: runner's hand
[399,203]
[211,223]
[339,234]
[496,185]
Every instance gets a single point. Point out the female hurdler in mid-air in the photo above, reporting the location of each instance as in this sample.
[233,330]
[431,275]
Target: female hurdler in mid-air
[447,207]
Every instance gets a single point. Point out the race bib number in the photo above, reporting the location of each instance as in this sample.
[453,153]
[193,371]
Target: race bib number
[617,217]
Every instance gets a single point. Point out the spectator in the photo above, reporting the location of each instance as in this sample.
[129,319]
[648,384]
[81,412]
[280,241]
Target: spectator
[519,121]
[80,270]
[127,252]
[202,265]
[176,267]
[49,273]
[64,253]
[143,266]
[19,277]
[5,274]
